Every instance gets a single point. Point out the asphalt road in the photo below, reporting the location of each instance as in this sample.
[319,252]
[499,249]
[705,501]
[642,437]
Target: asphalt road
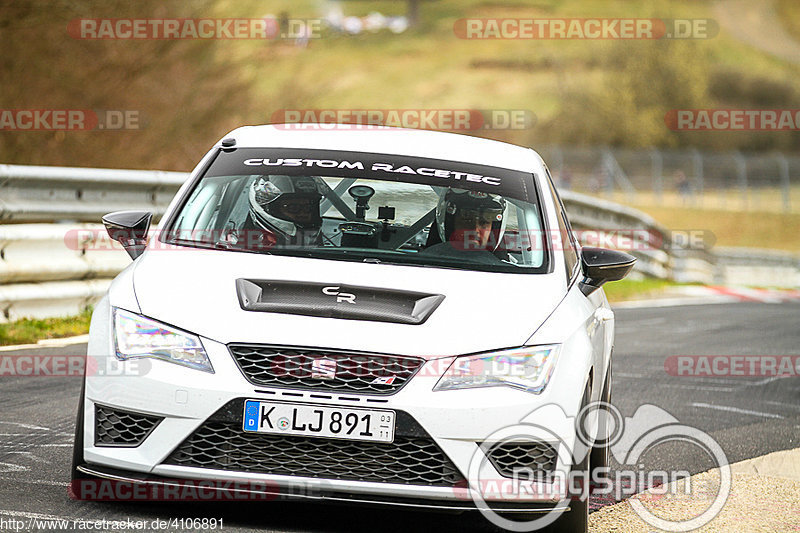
[748,417]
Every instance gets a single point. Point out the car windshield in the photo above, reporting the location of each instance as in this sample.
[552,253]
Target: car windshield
[372,208]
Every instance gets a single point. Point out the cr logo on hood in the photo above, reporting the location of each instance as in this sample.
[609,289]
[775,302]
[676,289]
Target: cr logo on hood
[340,296]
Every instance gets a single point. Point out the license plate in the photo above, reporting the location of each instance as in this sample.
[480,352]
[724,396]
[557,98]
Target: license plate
[310,420]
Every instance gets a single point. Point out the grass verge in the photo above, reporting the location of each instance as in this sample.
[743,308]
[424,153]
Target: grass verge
[633,289]
[750,229]
[30,330]
[789,13]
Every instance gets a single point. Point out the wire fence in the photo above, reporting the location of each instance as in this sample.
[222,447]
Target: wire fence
[680,178]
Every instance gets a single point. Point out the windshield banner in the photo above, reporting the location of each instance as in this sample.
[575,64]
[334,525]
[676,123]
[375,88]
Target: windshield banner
[330,163]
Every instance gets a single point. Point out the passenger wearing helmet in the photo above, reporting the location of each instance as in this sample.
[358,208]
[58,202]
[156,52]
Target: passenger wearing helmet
[288,208]
[469,221]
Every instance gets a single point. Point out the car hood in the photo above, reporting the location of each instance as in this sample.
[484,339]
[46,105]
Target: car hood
[197,290]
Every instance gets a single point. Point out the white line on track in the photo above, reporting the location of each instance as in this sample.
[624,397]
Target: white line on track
[702,387]
[724,381]
[765,380]
[48,343]
[35,445]
[37,516]
[736,410]
[26,426]
[781,404]
[29,455]
[35,481]
[634,322]
[673,302]
[30,435]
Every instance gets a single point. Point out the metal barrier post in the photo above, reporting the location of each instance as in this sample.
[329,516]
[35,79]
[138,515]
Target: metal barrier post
[741,165]
[783,165]
[697,161]
[658,178]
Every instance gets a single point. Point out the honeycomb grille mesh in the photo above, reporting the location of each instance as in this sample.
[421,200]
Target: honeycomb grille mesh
[408,460]
[539,457]
[294,367]
[114,427]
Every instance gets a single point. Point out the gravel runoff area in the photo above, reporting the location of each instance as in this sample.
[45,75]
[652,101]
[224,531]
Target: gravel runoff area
[764,497]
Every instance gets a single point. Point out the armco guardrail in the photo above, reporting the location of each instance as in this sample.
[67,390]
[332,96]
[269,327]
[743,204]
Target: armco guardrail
[41,274]
[39,194]
[58,252]
[766,268]
[55,269]
[590,213]
[55,258]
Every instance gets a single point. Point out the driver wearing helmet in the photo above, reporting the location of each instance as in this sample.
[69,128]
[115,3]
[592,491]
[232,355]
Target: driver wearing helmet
[287,208]
[470,221]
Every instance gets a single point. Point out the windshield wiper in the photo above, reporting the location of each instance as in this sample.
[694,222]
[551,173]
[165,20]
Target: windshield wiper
[217,245]
[190,242]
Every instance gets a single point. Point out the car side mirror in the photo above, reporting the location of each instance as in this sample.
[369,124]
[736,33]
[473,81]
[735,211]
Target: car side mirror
[129,228]
[601,265]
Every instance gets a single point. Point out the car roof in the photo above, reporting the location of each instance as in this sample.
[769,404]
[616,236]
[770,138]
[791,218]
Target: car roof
[389,140]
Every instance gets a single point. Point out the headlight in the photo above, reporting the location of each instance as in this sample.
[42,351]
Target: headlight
[136,336]
[528,368]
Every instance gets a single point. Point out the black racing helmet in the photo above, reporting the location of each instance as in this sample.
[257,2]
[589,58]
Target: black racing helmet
[288,207]
[471,205]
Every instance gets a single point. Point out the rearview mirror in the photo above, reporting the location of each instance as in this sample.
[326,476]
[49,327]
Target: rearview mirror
[601,265]
[129,228]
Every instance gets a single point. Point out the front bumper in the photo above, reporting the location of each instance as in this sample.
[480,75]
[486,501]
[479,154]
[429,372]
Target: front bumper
[457,421]
[273,491]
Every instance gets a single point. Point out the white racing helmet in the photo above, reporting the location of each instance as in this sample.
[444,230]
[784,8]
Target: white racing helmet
[476,205]
[288,207]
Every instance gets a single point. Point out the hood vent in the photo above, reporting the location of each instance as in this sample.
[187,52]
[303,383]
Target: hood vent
[330,300]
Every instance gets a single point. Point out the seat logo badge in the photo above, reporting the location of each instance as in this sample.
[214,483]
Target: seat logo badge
[323,369]
[340,296]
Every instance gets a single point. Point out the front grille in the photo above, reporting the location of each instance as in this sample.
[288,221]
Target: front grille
[294,367]
[412,459]
[114,427]
[537,459]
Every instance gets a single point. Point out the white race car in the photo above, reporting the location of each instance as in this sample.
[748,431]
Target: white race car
[354,315]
